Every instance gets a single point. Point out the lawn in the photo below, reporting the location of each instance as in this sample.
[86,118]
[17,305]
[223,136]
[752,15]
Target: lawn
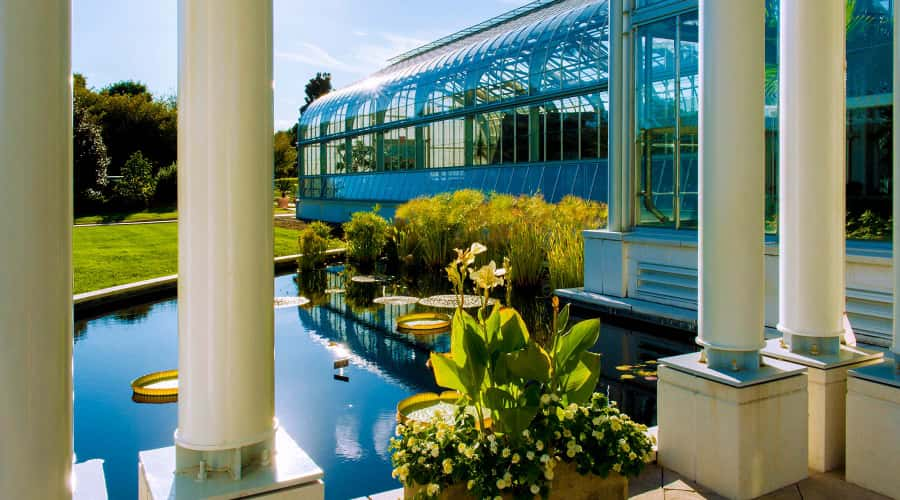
[149,215]
[105,256]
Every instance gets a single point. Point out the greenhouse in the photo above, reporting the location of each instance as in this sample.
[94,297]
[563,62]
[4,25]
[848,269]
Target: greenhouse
[520,104]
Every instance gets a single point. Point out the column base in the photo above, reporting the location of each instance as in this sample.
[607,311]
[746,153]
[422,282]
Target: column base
[89,481]
[741,434]
[827,375]
[873,428]
[289,474]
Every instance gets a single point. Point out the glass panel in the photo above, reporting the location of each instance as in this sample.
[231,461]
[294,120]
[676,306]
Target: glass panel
[362,153]
[571,128]
[445,143]
[486,145]
[553,120]
[400,149]
[688,107]
[655,76]
[522,139]
[507,136]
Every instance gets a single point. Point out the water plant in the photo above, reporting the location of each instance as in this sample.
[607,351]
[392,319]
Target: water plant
[366,234]
[523,410]
[312,243]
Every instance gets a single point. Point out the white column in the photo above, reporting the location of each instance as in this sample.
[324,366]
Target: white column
[225,287]
[896,150]
[616,164]
[812,141]
[732,177]
[35,249]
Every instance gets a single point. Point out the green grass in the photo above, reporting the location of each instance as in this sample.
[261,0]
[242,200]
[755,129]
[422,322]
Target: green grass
[105,256]
[149,215]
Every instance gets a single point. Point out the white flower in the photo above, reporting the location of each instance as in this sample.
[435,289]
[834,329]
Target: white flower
[535,489]
[545,399]
[505,453]
[525,433]
[400,429]
[632,456]
[435,452]
[539,445]
[433,489]
[596,421]
[617,467]
[516,458]
[530,455]
[548,474]
[545,458]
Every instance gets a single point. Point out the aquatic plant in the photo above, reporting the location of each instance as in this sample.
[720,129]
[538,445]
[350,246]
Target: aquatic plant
[312,243]
[366,234]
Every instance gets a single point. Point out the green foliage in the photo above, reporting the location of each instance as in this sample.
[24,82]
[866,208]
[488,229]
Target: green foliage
[166,192]
[285,186]
[591,438]
[285,154]
[138,182]
[535,235]
[542,406]
[90,160]
[366,235]
[869,226]
[317,86]
[312,246]
[127,87]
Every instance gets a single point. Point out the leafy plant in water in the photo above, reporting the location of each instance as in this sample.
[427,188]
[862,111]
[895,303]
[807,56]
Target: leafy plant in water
[366,235]
[313,242]
[498,367]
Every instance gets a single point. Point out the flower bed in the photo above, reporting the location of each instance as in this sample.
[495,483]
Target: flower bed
[547,423]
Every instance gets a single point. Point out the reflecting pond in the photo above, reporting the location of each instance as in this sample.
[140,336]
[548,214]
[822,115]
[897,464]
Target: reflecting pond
[342,419]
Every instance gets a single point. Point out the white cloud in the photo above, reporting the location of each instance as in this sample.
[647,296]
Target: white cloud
[316,56]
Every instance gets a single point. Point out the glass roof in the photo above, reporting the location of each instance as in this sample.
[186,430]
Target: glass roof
[567,50]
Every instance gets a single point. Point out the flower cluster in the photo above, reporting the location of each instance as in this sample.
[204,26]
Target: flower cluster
[595,439]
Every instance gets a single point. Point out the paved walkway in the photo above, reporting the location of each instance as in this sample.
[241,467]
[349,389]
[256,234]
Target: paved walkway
[656,483]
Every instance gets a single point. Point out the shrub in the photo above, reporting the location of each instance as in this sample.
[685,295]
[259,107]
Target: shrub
[166,185]
[138,183]
[312,247]
[321,228]
[366,234]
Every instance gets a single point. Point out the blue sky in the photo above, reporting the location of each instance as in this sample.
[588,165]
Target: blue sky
[137,40]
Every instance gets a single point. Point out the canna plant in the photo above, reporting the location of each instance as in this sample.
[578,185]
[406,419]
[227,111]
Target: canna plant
[495,364]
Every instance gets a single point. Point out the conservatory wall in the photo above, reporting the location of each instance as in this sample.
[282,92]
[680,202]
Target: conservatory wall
[649,262]
[522,111]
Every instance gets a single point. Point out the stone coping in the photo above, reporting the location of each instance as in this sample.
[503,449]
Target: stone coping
[89,481]
[770,371]
[291,467]
[848,355]
[883,373]
[100,300]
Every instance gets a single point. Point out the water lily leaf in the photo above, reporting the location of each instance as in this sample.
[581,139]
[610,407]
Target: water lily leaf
[569,347]
[623,368]
[626,377]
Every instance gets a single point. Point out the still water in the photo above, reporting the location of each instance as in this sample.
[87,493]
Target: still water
[343,425]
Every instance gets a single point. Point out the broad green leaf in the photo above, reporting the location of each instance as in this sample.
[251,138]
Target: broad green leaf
[498,399]
[582,381]
[579,339]
[457,333]
[492,328]
[446,373]
[562,320]
[513,332]
[514,420]
[531,363]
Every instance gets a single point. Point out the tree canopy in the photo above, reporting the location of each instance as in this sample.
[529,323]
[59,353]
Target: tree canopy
[317,86]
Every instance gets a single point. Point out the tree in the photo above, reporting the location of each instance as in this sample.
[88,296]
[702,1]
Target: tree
[285,155]
[138,183]
[127,87]
[318,86]
[90,159]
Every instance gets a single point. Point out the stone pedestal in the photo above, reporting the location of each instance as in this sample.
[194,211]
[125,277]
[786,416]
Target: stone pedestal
[605,263]
[290,475]
[873,428]
[827,398]
[740,434]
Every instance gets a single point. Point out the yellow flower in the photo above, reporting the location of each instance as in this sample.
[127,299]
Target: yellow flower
[501,484]
[617,467]
[506,452]
[433,489]
[470,484]
[535,489]
[486,277]
[530,455]
[516,458]
[447,466]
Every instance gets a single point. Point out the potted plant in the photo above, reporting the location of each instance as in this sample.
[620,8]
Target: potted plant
[528,422]
[284,186]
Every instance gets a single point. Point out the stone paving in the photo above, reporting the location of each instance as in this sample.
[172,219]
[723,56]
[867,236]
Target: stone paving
[656,483]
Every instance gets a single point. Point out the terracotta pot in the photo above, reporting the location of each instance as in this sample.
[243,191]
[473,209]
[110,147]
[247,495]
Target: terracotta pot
[567,484]
[284,202]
